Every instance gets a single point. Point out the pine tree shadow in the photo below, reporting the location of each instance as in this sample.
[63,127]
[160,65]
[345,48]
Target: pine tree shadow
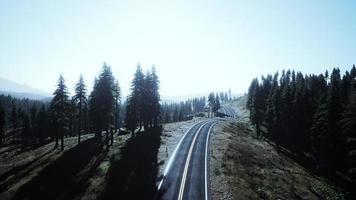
[61,179]
[16,173]
[133,176]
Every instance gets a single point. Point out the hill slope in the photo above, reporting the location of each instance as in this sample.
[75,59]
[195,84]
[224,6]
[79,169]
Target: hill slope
[244,167]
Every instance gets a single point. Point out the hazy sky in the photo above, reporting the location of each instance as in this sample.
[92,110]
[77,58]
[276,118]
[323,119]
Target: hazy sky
[196,46]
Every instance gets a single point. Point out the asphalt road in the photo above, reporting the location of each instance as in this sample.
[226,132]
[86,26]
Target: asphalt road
[228,111]
[186,175]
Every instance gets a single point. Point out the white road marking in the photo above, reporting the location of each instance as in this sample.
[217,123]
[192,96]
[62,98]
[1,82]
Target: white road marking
[181,190]
[173,156]
[206,161]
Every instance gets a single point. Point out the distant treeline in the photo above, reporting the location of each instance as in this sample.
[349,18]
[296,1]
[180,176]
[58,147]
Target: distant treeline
[313,116]
[184,110]
[22,119]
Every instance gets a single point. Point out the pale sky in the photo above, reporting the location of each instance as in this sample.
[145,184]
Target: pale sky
[196,46]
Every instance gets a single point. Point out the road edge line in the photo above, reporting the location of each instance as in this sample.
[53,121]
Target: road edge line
[173,155]
[206,160]
[186,166]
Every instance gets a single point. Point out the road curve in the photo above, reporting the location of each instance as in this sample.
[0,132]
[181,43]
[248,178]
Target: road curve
[186,174]
[228,111]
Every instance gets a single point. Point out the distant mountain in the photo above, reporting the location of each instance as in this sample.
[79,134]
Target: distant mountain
[8,87]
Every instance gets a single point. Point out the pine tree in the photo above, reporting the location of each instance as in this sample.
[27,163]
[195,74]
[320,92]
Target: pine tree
[20,117]
[33,115]
[334,115]
[14,122]
[26,128]
[80,99]
[230,96]
[211,102]
[96,121]
[254,103]
[348,124]
[251,91]
[132,115]
[59,107]
[156,107]
[2,122]
[41,124]
[102,103]
[216,104]
[147,104]
[117,95]
[273,112]
[309,115]
[135,109]
[226,98]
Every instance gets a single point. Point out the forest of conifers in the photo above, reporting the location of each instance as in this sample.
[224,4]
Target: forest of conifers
[32,122]
[311,116]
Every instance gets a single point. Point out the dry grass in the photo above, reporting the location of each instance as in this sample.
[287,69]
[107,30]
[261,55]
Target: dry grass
[254,170]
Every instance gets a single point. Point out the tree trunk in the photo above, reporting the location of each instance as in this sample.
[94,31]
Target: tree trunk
[62,139]
[107,139]
[132,133]
[80,120]
[56,145]
[111,136]
[258,131]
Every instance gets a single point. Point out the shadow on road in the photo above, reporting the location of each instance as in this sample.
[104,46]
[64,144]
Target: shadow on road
[61,179]
[133,176]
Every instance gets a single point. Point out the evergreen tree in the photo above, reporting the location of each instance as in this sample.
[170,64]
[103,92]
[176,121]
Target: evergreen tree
[20,118]
[80,99]
[211,102]
[348,124]
[334,115]
[102,103]
[33,115]
[41,124]
[117,94]
[14,122]
[135,103]
[2,122]
[26,128]
[309,115]
[230,96]
[96,121]
[156,107]
[138,89]
[59,106]
[273,112]
[255,106]
[132,115]
[147,104]
[216,104]
[251,93]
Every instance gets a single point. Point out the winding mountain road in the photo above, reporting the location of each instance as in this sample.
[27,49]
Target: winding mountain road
[186,174]
[227,110]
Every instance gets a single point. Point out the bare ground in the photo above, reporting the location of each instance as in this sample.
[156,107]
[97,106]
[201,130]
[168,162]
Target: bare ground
[27,171]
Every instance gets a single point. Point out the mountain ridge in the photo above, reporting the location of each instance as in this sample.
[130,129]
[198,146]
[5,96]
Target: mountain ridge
[8,87]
